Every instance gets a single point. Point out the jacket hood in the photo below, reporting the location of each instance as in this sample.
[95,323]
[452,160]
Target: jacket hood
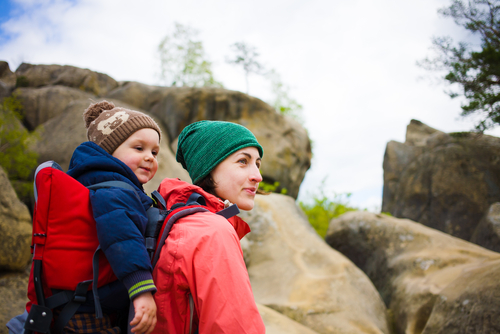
[177,191]
[89,157]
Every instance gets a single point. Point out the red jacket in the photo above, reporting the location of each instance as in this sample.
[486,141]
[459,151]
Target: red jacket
[202,256]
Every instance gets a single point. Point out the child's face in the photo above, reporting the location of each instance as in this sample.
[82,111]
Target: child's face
[139,152]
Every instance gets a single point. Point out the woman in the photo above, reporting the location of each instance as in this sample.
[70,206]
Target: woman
[202,259]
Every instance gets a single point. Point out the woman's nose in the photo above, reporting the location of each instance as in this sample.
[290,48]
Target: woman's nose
[256,176]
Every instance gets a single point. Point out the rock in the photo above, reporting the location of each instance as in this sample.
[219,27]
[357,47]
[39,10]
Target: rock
[470,304]
[138,94]
[13,295]
[44,103]
[487,233]
[293,271]
[447,183]
[61,135]
[287,149]
[15,228]
[48,75]
[417,133]
[276,323]
[7,80]
[414,267]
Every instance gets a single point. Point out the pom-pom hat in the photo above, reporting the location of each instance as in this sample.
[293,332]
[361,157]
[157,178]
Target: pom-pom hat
[109,126]
[205,144]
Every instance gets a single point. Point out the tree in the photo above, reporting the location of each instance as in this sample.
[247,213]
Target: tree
[246,56]
[475,70]
[283,102]
[183,61]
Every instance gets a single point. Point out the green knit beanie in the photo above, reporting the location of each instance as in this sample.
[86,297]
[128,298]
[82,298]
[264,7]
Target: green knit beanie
[205,144]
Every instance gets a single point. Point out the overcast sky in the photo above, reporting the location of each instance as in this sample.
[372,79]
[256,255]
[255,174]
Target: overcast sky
[350,63]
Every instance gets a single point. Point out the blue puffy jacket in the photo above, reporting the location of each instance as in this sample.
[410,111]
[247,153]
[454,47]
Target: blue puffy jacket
[120,217]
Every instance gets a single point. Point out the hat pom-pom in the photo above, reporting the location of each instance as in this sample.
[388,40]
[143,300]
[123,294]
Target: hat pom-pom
[94,110]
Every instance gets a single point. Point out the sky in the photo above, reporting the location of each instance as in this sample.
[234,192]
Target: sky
[351,64]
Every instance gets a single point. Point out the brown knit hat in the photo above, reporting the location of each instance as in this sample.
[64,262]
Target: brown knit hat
[109,126]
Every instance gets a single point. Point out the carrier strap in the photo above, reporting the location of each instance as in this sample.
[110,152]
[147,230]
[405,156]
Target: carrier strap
[95,270]
[79,297]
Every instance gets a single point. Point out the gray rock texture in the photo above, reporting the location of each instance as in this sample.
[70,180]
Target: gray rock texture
[293,271]
[15,228]
[98,84]
[430,281]
[444,181]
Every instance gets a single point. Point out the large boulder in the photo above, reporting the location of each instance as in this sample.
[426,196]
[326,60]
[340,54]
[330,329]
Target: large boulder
[277,323]
[15,228]
[293,271]
[139,95]
[426,277]
[61,135]
[13,295]
[99,84]
[287,148]
[7,79]
[444,181]
[487,233]
[44,103]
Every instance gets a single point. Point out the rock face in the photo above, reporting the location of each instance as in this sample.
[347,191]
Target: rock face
[487,233]
[444,181]
[295,273]
[432,282]
[7,79]
[49,75]
[50,93]
[287,149]
[15,228]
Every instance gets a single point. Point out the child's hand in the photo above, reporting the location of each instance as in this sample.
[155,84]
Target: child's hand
[145,314]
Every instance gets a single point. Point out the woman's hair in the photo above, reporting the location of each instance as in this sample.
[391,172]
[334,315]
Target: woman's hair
[208,184]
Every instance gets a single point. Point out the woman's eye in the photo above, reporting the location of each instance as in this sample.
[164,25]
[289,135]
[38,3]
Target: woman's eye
[243,161]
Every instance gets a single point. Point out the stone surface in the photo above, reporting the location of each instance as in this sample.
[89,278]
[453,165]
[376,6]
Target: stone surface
[47,75]
[414,267]
[295,273]
[139,95]
[487,233]
[7,79]
[44,103]
[287,149]
[276,323]
[15,228]
[13,295]
[447,182]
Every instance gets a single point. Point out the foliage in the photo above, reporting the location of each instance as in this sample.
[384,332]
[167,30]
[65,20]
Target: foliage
[246,56]
[183,61]
[16,158]
[282,102]
[323,209]
[477,72]
[272,188]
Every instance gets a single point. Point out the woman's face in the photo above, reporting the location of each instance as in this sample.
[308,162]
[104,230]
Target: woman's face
[237,177]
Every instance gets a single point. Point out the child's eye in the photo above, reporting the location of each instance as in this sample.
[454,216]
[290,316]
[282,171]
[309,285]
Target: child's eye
[138,148]
[155,153]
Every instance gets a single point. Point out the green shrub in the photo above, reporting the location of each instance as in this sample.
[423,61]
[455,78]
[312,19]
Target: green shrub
[321,209]
[22,81]
[17,160]
[272,188]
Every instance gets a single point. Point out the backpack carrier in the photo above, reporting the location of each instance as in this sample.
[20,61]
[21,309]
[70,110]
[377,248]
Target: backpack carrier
[67,258]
